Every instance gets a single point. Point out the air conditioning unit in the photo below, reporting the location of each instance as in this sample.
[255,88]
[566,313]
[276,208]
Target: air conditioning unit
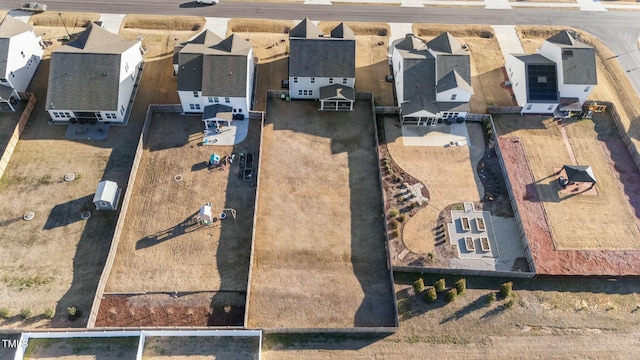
[507,83]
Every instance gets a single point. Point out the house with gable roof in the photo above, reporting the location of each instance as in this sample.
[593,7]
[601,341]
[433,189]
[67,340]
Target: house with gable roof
[317,61]
[20,55]
[432,80]
[559,77]
[215,76]
[92,78]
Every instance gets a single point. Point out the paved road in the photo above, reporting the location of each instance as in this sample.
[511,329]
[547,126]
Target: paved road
[620,30]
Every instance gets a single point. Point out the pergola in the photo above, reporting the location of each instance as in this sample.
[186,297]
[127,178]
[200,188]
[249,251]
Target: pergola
[337,97]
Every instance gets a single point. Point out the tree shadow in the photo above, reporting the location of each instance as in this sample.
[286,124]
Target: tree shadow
[68,213]
[477,304]
[190,224]
[499,309]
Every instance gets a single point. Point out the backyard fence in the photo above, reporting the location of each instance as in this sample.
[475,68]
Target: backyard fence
[504,109]
[624,134]
[463,272]
[17,131]
[478,117]
[387,110]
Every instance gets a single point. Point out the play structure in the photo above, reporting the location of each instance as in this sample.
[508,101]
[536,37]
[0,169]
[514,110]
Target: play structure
[205,218]
[220,162]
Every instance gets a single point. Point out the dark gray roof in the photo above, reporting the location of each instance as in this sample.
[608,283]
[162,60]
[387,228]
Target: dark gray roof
[218,69]
[322,57]
[305,29]
[541,77]
[451,81]
[5,92]
[336,91]
[579,173]
[578,59]
[410,43]
[10,27]
[85,74]
[565,38]
[210,111]
[445,43]
[446,63]
[342,31]
[206,37]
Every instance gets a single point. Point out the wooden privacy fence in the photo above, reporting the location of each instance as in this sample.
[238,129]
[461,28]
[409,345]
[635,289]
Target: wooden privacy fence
[17,131]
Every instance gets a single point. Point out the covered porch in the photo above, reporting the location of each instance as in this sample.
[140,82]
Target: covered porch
[217,116]
[337,98]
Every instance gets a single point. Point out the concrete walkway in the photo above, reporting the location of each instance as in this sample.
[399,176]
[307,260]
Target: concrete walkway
[497,4]
[23,16]
[590,5]
[112,22]
[217,25]
[508,40]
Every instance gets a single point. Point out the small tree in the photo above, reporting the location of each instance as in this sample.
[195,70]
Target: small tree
[491,297]
[5,313]
[48,313]
[25,313]
[402,218]
[440,285]
[505,289]
[394,224]
[430,295]
[461,285]
[431,256]
[418,286]
[451,295]
[393,213]
[394,234]
[509,304]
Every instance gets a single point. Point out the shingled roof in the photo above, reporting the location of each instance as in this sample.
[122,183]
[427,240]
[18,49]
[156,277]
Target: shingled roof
[578,59]
[215,68]
[9,27]
[445,43]
[313,56]
[85,73]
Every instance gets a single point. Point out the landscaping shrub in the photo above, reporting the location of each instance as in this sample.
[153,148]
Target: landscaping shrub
[509,304]
[431,256]
[402,218]
[451,295]
[4,313]
[491,297]
[25,313]
[440,285]
[394,234]
[387,168]
[430,295]
[393,212]
[505,289]
[415,204]
[393,224]
[461,285]
[48,313]
[418,286]
[397,178]
[74,313]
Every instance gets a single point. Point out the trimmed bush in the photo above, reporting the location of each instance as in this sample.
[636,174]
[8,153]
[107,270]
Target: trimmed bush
[72,311]
[491,297]
[418,286]
[397,178]
[394,234]
[394,224]
[451,295]
[387,168]
[26,313]
[505,289]
[509,304]
[461,285]
[5,313]
[402,218]
[440,285]
[430,295]
[431,256]
[415,204]
[393,213]
[48,313]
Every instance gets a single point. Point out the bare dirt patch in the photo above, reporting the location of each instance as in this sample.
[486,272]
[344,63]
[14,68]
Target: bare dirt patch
[240,25]
[201,348]
[159,22]
[82,348]
[164,246]
[319,258]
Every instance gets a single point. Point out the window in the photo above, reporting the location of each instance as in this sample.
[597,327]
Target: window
[12,74]
[122,110]
[529,107]
[550,107]
[305,92]
[197,106]
[453,96]
[587,89]
[227,100]
[299,92]
[210,99]
[98,116]
[114,115]
[295,79]
[195,94]
[313,80]
[192,106]
[3,80]
[310,92]
[344,81]
[233,110]
[55,114]
[330,80]
[216,99]
[108,115]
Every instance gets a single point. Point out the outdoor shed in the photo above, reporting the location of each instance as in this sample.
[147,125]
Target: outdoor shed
[107,196]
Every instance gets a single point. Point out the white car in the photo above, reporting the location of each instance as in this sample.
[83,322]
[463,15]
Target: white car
[207,2]
[34,7]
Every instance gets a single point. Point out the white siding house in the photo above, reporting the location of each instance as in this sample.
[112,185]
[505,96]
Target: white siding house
[559,77]
[20,55]
[317,61]
[213,71]
[92,78]
[432,80]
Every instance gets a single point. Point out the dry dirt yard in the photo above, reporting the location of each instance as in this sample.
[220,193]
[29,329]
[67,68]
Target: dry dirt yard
[319,256]
[552,318]
[487,63]
[82,348]
[201,348]
[162,247]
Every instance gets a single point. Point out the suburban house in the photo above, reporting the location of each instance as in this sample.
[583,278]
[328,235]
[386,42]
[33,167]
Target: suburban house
[559,77]
[20,54]
[92,78]
[323,67]
[215,76]
[432,80]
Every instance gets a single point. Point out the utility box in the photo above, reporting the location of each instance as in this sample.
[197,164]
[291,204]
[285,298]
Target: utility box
[107,196]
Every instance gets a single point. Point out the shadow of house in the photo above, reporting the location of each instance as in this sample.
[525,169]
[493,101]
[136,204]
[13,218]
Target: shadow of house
[69,212]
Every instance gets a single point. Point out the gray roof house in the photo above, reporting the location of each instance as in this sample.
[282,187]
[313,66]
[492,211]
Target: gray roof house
[92,76]
[432,79]
[317,60]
